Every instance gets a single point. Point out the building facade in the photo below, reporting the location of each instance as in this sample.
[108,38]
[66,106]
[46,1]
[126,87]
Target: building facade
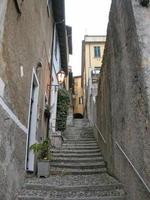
[92,54]
[77,98]
[27,30]
[57,67]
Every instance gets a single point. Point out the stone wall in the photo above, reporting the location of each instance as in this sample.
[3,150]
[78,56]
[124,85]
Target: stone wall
[3,6]
[123,104]
[12,156]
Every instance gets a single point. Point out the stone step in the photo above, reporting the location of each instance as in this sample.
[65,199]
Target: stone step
[76,160]
[76,188]
[80,147]
[79,131]
[68,151]
[87,134]
[92,180]
[68,171]
[76,143]
[74,193]
[76,155]
[87,192]
[90,165]
[84,141]
[94,198]
[83,137]
[80,144]
[26,197]
[26,194]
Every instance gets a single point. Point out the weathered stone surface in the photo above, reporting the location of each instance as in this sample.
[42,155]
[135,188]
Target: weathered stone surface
[26,41]
[12,157]
[3,6]
[78,185]
[123,104]
[102,179]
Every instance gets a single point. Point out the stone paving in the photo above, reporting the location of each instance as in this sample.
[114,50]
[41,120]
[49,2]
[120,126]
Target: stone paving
[78,171]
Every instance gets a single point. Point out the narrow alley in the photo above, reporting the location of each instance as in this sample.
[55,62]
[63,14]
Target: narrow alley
[74,100]
[78,171]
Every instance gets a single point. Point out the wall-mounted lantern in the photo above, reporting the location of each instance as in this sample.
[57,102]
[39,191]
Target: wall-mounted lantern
[61,76]
[144,3]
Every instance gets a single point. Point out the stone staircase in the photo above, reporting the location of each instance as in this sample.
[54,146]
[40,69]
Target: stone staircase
[78,171]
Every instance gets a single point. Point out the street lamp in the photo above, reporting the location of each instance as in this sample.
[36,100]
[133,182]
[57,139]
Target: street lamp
[60,76]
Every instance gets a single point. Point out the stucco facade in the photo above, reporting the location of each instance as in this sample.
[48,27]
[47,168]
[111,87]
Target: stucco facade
[77,96]
[92,54]
[26,37]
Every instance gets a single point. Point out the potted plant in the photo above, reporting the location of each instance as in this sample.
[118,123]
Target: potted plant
[47,111]
[42,152]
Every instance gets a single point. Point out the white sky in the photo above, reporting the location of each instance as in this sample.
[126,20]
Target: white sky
[87,17]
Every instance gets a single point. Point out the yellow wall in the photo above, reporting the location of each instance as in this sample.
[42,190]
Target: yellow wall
[90,60]
[78,108]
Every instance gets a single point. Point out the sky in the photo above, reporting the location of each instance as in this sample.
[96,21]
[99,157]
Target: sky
[87,17]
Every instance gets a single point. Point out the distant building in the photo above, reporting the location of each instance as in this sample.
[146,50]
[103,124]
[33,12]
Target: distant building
[92,54]
[77,98]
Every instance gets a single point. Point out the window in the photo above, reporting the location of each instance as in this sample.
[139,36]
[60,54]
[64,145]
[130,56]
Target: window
[97,52]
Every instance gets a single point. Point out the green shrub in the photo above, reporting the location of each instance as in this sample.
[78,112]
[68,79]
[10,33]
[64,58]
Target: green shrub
[42,150]
[62,109]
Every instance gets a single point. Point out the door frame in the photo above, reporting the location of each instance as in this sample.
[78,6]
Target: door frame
[35,81]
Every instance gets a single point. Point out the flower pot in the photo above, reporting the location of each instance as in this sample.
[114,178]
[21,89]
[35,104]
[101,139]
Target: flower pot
[43,168]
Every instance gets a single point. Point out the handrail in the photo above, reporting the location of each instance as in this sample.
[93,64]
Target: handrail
[125,155]
[100,133]
[136,171]
[94,124]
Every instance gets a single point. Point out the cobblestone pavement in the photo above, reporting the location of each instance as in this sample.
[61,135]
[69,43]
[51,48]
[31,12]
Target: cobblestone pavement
[78,171]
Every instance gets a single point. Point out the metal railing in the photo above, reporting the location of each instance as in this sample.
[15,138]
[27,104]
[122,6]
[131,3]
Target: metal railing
[136,171]
[125,155]
[100,134]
